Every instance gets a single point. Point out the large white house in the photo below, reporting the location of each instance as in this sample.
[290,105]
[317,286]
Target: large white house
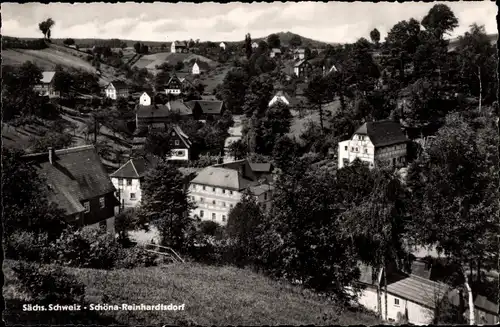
[127,181]
[375,142]
[46,86]
[222,45]
[117,89]
[217,189]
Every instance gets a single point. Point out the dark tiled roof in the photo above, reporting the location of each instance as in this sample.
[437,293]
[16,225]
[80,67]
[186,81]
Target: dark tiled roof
[383,133]
[76,174]
[180,44]
[152,111]
[301,62]
[482,303]
[134,168]
[180,107]
[213,107]
[119,85]
[416,289]
[260,189]
[223,177]
[261,167]
[287,69]
[182,136]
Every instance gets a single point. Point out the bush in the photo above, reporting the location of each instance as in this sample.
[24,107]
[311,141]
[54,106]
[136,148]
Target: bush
[49,284]
[135,257]
[27,247]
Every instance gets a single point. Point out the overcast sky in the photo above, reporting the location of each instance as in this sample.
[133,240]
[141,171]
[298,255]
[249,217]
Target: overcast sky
[329,22]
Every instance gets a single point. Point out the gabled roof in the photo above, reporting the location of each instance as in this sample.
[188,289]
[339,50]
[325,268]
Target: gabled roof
[281,94]
[222,177]
[75,175]
[172,79]
[260,189]
[179,107]
[47,77]
[182,136]
[212,107]
[383,133]
[180,44]
[152,111]
[261,167]
[300,51]
[416,289]
[134,168]
[300,63]
[482,303]
[202,65]
[276,50]
[119,85]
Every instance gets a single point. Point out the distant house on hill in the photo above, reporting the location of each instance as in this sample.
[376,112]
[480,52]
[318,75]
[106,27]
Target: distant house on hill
[200,67]
[46,86]
[206,109]
[150,115]
[78,183]
[284,98]
[374,142]
[145,99]
[299,54]
[255,45]
[303,69]
[275,52]
[222,45]
[179,47]
[117,89]
[329,69]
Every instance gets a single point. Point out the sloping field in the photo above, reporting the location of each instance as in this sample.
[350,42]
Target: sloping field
[299,125]
[210,295]
[46,59]
[214,77]
[151,61]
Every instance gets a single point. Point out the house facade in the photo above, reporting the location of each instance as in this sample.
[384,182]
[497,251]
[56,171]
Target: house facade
[222,45]
[174,86]
[117,89]
[179,47]
[299,54]
[282,97]
[206,109]
[199,67]
[303,69]
[180,145]
[217,189]
[275,52]
[410,299]
[127,181]
[145,99]
[373,143]
[255,45]
[78,183]
[46,85]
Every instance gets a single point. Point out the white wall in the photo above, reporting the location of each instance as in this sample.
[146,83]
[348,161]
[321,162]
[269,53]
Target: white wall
[196,69]
[360,147]
[111,92]
[223,198]
[145,99]
[172,47]
[126,190]
[176,155]
[172,91]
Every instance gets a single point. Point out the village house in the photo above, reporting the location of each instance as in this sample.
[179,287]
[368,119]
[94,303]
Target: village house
[373,143]
[117,89]
[217,189]
[78,183]
[302,69]
[283,97]
[179,47]
[299,54]
[410,298]
[200,67]
[174,85]
[222,45]
[485,311]
[329,70]
[255,45]
[275,52]
[46,86]
[206,109]
[149,114]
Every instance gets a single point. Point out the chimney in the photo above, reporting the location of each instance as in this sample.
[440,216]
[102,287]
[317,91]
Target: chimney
[51,154]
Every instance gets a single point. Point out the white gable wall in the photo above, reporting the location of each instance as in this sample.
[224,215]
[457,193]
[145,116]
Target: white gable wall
[130,195]
[360,147]
[278,98]
[145,99]
[172,47]
[196,69]
[111,92]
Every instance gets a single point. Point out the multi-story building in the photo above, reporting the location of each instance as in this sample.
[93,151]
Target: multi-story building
[117,89]
[380,142]
[78,183]
[217,189]
[303,69]
[46,86]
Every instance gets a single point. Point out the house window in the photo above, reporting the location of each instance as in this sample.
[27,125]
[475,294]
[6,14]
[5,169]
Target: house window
[346,147]
[213,216]
[204,188]
[265,196]
[129,181]
[366,150]
[86,204]
[201,213]
[223,204]
[396,302]
[223,218]
[132,196]
[231,206]
[173,133]
[101,202]
[213,202]
[201,200]
[120,181]
[177,142]
[223,191]
[352,149]
[231,192]
[345,161]
[213,189]
[356,149]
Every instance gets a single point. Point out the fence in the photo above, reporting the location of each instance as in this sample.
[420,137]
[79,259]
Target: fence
[167,252]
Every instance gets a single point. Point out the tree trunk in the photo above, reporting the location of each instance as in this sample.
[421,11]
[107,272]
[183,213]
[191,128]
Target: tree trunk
[480,88]
[321,118]
[471,301]
[478,277]
[379,299]
[385,290]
